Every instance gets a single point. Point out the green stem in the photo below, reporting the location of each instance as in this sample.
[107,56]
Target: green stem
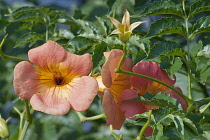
[188,52]
[28,114]
[4,56]
[84,118]
[205,108]
[47,33]
[25,128]
[140,136]
[197,104]
[189,101]
[28,120]
[112,132]
[21,120]
[122,58]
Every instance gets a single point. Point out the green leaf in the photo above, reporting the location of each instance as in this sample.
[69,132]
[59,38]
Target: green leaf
[199,6]
[159,99]
[165,48]
[102,25]
[28,37]
[87,26]
[162,7]
[29,17]
[205,52]
[63,34]
[201,25]
[205,74]
[98,55]
[175,66]
[22,10]
[81,43]
[135,40]
[3,24]
[190,124]
[196,48]
[158,131]
[166,25]
[113,5]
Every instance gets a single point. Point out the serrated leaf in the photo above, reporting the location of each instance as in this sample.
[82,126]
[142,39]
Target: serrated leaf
[201,25]
[166,25]
[134,40]
[29,17]
[205,74]
[166,48]
[199,6]
[97,56]
[80,43]
[180,124]
[87,26]
[22,10]
[190,124]
[162,7]
[28,37]
[159,99]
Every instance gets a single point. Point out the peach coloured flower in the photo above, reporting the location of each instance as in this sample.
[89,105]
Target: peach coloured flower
[124,30]
[115,83]
[142,86]
[53,82]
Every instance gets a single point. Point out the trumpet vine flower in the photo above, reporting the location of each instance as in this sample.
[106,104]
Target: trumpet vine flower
[142,86]
[115,83]
[54,81]
[124,29]
[121,87]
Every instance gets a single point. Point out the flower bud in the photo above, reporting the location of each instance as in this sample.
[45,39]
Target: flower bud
[4,131]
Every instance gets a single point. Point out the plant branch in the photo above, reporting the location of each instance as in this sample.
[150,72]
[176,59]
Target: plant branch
[4,56]
[140,136]
[84,118]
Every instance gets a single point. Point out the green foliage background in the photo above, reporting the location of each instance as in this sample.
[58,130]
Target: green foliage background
[163,38]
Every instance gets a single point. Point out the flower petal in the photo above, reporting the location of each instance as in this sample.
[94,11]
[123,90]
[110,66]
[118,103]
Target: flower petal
[78,65]
[102,88]
[148,132]
[178,97]
[131,108]
[126,19]
[115,22]
[114,116]
[50,102]
[47,54]
[25,83]
[107,72]
[134,25]
[116,31]
[150,69]
[83,91]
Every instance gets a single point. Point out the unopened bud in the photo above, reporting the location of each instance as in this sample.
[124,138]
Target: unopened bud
[4,131]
